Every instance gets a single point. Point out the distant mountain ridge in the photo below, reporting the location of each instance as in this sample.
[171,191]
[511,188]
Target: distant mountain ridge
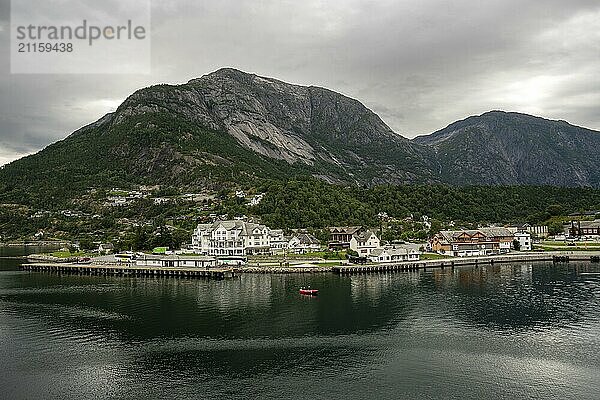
[231,126]
[509,148]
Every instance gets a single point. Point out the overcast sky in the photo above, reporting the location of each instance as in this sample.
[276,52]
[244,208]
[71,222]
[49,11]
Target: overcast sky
[419,64]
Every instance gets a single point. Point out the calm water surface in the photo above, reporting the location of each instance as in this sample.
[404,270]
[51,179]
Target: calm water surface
[528,331]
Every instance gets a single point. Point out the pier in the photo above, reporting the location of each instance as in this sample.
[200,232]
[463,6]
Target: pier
[124,270]
[556,257]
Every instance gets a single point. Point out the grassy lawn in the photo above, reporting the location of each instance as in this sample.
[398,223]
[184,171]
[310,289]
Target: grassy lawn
[328,264]
[327,255]
[432,256]
[564,244]
[566,248]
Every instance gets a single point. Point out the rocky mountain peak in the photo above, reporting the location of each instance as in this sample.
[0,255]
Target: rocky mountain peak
[237,122]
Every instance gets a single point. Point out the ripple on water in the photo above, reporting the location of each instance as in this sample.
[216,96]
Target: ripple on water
[518,332]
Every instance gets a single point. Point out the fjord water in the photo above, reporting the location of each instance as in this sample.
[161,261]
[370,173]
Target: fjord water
[523,331]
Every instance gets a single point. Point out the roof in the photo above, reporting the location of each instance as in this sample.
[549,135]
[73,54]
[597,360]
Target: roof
[522,233]
[589,224]
[363,236]
[348,230]
[392,251]
[246,228]
[496,232]
[485,233]
[376,252]
[306,238]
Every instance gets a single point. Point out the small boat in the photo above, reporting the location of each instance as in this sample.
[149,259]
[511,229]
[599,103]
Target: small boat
[309,291]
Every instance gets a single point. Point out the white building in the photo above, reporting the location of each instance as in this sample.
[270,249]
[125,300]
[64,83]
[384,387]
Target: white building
[539,231]
[231,238]
[394,254]
[279,243]
[524,239]
[364,243]
[256,199]
[302,243]
[175,261]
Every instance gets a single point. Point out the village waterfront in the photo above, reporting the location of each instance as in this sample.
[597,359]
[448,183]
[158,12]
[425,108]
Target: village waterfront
[515,330]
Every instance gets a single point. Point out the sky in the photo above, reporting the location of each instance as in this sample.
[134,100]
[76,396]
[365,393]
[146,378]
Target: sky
[420,65]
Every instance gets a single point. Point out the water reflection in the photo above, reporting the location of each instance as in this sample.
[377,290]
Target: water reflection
[488,332]
[516,297]
[508,297]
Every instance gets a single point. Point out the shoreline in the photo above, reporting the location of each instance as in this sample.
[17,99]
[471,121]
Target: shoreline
[100,268]
[555,256]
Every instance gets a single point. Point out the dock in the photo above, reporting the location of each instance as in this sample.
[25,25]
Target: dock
[556,257]
[125,270]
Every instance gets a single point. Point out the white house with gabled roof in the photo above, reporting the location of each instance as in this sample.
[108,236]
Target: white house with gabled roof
[364,243]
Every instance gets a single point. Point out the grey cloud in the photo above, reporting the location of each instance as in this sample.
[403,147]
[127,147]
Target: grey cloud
[420,65]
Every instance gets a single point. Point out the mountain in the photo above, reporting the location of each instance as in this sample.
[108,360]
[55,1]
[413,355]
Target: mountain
[234,127]
[316,129]
[501,148]
[227,125]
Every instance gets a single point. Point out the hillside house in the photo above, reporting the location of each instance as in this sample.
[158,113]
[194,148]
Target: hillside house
[106,248]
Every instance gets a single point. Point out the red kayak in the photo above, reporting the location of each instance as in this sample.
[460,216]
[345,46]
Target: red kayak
[309,292]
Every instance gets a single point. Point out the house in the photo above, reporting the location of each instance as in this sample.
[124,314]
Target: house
[584,228]
[231,238]
[106,248]
[478,242]
[256,200]
[502,236]
[302,243]
[364,243]
[341,236]
[394,254]
[279,243]
[175,261]
[524,239]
